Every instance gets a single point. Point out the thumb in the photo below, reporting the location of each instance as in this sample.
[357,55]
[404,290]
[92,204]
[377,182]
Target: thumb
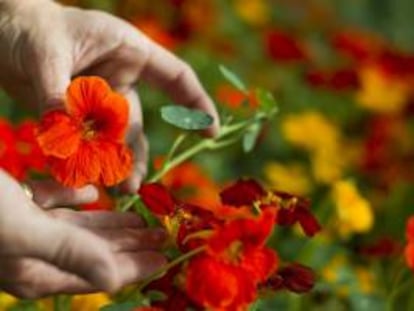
[51,75]
[74,250]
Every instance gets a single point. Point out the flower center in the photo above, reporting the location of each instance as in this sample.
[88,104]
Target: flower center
[234,251]
[89,129]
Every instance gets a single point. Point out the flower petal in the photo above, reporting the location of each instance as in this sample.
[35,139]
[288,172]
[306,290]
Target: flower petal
[157,198]
[79,169]
[91,99]
[116,163]
[58,134]
[243,192]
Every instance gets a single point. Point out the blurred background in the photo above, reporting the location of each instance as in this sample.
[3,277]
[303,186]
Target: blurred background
[342,72]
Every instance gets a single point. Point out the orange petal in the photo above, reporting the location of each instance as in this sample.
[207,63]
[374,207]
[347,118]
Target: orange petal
[58,134]
[95,162]
[83,94]
[112,117]
[80,169]
[116,163]
[91,99]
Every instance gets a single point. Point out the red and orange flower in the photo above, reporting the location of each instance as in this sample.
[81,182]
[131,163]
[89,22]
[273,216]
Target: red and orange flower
[85,142]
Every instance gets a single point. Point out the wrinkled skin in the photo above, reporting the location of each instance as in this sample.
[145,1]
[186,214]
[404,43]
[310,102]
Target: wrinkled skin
[42,46]
[45,252]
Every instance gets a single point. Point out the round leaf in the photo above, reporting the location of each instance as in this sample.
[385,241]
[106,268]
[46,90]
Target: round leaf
[185,118]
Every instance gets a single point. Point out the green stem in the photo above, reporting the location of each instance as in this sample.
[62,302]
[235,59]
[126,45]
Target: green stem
[202,145]
[177,143]
[132,200]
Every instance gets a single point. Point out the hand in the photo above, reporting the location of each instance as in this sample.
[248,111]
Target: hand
[45,44]
[64,251]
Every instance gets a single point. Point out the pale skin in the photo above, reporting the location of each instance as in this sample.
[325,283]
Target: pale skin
[44,251]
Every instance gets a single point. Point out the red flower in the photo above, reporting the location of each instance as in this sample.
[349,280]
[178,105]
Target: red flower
[383,247]
[337,80]
[26,144]
[213,284]
[291,209]
[409,249]
[296,209]
[157,198]
[10,160]
[295,277]
[236,261]
[243,192]
[281,46]
[356,45]
[85,143]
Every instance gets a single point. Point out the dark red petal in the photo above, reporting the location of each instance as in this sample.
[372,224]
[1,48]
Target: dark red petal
[243,192]
[307,221]
[297,278]
[157,198]
[286,217]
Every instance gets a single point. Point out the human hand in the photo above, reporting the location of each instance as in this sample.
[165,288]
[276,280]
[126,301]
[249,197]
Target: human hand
[45,44]
[63,251]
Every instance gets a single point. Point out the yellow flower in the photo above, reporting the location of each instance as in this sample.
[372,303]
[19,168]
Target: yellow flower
[366,280]
[328,165]
[354,212]
[311,131]
[91,302]
[255,12]
[380,93]
[6,301]
[316,134]
[291,178]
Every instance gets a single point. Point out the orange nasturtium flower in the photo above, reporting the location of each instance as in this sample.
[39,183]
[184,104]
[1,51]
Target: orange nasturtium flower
[85,142]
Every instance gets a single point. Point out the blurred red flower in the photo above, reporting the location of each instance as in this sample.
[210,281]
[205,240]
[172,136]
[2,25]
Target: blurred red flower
[294,277]
[28,148]
[282,46]
[85,143]
[9,158]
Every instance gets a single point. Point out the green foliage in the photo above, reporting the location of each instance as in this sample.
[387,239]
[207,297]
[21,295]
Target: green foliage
[185,118]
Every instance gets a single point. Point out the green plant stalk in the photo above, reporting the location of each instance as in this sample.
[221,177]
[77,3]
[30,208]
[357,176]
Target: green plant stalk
[205,144]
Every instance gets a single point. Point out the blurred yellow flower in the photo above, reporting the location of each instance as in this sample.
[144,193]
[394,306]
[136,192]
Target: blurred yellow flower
[366,280]
[380,93]
[254,12]
[318,135]
[6,301]
[90,302]
[291,178]
[311,131]
[328,165]
[353,211]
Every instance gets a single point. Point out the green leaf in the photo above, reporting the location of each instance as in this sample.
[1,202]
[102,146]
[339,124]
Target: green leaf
[233,78]
[266,100]
[124,306]
[250,138]
[154,295]
[185,118]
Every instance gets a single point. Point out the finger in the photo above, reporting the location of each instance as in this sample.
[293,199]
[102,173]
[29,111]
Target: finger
[49,193]
[132,240]
[138,142]
[51,64]
[71,249]
[179,81]
[25,278]
[98,219]
[136,266]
